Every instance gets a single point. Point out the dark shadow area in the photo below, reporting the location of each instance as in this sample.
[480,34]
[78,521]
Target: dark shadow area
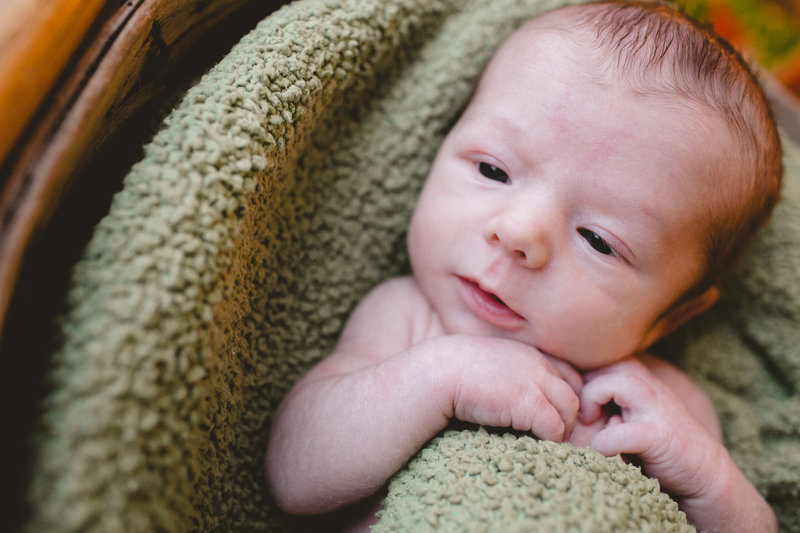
[29,335]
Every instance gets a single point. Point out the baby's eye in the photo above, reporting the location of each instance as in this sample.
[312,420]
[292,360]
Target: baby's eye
[597,242]
[493,173]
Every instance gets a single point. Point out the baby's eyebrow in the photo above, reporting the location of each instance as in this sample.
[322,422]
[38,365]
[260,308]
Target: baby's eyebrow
[633,216]
[657,220]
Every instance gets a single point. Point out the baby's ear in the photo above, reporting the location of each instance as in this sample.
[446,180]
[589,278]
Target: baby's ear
[680,314]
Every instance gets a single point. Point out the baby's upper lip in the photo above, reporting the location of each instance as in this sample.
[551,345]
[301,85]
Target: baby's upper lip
[491,292]
[490,288]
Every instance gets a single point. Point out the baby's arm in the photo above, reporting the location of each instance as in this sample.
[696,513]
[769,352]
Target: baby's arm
[389,386]
[667,422]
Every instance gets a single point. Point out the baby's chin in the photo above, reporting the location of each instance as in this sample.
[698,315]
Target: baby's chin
[584,360]
[586,363]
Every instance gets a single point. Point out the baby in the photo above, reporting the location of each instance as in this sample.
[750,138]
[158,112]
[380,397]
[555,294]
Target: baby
[614,160]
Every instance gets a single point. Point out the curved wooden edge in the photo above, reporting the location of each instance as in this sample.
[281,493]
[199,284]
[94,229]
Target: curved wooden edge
[37,39]
[119,71]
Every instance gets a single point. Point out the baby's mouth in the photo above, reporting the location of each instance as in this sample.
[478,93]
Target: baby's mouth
[489,306]
[496,299]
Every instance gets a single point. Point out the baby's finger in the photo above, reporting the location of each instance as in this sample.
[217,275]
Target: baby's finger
[633,438]
[567,372]
[564,399]
[628,391]
[613,420]
[546,422]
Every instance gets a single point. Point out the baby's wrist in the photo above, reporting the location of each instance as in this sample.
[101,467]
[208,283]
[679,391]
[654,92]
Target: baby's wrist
[729,502]
[719,473]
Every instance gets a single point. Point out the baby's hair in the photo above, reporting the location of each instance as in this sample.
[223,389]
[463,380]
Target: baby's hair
[661,52]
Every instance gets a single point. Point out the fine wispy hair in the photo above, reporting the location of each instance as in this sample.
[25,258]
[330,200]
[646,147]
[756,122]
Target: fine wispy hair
[661,52]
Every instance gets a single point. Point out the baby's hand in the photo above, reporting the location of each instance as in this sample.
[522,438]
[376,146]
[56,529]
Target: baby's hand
[582,434]
[683,452]
[655,425]
[505,383]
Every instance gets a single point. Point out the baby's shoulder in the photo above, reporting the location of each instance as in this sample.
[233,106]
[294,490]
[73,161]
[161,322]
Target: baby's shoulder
[396,295]
[398,286]
[396,311]
[404,295]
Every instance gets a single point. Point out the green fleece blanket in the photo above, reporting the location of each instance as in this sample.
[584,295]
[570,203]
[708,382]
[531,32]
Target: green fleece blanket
[274,196]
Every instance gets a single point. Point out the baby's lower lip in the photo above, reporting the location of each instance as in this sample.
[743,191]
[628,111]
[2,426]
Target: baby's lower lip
[488,306]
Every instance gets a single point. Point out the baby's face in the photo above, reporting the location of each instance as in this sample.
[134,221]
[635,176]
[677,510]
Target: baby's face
[562,214]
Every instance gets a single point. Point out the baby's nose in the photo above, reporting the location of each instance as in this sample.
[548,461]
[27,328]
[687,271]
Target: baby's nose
[520,236]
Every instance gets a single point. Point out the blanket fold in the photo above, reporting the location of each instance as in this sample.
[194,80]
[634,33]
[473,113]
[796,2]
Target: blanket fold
[467,480]
[272,198]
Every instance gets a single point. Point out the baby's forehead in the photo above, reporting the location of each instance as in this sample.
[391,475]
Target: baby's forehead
[664,56]
[695,148]
[559,36]
[568,23]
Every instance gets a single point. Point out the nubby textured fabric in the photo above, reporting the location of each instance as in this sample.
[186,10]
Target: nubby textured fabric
[272,198]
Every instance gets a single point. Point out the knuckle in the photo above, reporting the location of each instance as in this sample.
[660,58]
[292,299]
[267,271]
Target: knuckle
[556,432]
[544,420]
[573,404]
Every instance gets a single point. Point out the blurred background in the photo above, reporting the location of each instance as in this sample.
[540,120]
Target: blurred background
[767,31]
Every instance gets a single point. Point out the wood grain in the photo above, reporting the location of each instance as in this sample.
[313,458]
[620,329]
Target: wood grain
[37,39]
[116,63]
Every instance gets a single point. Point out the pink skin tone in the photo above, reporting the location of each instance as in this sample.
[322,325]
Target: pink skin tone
[547,256]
